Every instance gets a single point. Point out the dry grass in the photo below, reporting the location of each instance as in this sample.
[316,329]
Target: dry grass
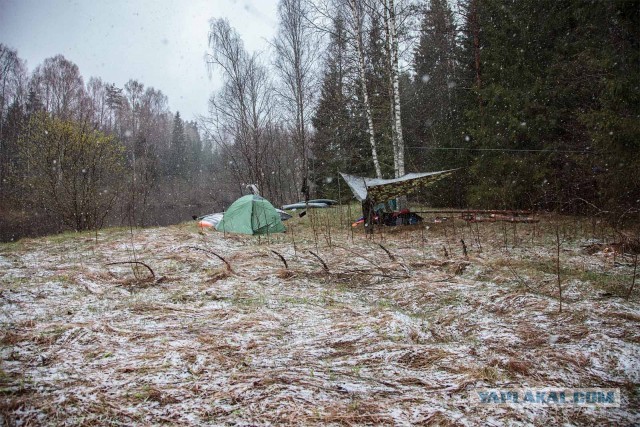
[423,358]
[373,339]
[632,317]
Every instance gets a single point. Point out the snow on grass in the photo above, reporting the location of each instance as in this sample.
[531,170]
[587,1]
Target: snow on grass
[373,341]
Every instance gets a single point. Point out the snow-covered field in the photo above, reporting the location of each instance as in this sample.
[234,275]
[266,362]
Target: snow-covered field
[375,338]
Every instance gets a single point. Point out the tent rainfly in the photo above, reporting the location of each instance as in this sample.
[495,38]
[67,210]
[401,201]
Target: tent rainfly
[251,215]
[380,190]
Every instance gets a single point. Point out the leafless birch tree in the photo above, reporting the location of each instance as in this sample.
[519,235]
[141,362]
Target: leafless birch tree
[357,22]
[60,86]
[241,111]
[296,50]
[392,53]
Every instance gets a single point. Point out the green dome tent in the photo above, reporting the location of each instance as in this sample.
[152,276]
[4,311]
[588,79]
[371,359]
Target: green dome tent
[251,215]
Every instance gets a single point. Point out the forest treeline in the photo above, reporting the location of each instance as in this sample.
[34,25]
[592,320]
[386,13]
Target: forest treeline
[537,101]
[79,156]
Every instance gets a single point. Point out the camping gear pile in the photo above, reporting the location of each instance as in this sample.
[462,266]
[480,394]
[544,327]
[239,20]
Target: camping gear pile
[391,219]
[372,191]
[209,221]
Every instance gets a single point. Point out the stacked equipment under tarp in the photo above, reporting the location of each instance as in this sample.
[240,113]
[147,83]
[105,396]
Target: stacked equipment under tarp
[380,190]
[251,215]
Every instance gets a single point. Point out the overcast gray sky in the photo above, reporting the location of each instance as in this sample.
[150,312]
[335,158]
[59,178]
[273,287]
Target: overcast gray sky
[161,43]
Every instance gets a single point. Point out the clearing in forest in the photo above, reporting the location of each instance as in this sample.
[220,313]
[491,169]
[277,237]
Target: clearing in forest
[397,329]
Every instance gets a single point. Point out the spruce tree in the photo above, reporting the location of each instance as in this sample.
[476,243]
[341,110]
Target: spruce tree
[433,123]
[334,148]
[559,79]
[379,89]
[178,161]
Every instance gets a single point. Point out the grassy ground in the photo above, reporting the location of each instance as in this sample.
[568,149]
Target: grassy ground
[398,329]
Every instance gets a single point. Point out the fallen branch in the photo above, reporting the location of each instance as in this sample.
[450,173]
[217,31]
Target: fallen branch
[229,269]
[153,275]
[324,265]
[382,269]
[518,278]
[446,279]
[393,258]
[464,248]
[368,273]
[558,267]
[633,279]
[284,261]
[446,254]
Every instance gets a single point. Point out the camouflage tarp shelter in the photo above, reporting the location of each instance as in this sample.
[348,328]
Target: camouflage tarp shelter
[380,190]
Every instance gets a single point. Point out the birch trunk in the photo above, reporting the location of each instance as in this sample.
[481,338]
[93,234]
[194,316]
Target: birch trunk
[394,73]
[397,139]
[365,96]
[388,51]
